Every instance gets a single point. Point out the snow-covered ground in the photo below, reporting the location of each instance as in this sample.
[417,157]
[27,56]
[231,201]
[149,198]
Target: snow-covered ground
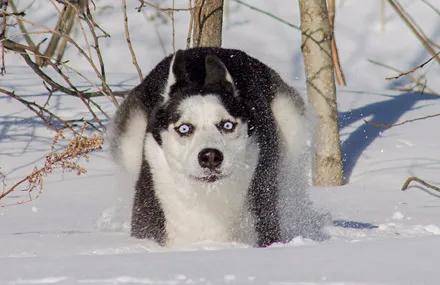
[380,234]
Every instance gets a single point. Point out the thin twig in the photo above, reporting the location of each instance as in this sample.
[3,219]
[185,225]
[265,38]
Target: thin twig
[92,19]
[190,28]
[268,14]
[4,14]
[24,31]
[21,49]
[413,69]
[387,126]
[53,2]
[86,101]
[144,3]
[412,78]
[424,183]
[91,23]
[106,88]
[128,40]
[56,86]
[414,28]
[432,7]
[40,111]
[86,39]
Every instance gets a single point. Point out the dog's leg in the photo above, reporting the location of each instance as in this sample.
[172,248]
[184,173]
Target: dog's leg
[148,219]
[263,192]
[298,218]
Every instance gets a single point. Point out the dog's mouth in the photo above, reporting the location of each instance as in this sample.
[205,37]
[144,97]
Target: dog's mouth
[211,178]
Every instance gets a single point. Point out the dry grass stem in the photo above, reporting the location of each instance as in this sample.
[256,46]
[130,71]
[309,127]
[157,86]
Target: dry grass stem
[79,147]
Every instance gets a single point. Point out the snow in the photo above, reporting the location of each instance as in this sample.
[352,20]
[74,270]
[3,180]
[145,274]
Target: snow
[76,233]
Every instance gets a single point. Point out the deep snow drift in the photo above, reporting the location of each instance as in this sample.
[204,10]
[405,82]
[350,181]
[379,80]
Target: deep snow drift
[379,235]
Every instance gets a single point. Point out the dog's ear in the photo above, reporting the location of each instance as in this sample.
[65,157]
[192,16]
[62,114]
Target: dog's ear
[216,71]
[177,73]
[178,68]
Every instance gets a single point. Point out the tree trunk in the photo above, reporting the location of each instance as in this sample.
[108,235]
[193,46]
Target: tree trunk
[58,43]
[208,19]
[317,53]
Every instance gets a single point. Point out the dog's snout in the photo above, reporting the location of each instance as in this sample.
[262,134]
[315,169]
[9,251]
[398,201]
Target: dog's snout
[210,158]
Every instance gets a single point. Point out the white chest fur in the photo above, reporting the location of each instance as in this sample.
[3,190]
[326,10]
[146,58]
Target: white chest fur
[199,211]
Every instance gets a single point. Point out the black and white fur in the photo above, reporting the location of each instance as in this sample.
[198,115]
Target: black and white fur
[176,201]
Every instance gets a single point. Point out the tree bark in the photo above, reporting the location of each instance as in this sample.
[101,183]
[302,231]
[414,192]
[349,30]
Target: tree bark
[208,20]
[64,26]
[321,89]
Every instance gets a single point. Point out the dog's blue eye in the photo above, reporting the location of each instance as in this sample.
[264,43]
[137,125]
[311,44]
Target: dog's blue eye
[184,129]
[227,126]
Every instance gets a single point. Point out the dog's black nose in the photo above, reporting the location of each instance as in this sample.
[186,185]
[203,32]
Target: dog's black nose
[210,158]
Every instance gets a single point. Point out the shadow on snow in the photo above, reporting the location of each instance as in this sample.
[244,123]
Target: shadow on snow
[385,112]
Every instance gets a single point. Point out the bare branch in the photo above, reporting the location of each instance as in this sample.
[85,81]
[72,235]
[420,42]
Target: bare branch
[4,14]
[414,28]
[106,88]
[432,7]
[144,3]
[24,31]
[413,69]
[424,183]
[128,40]
[268,14]
[410,77]
[40,111]
[21,49]
[92,24]
[387,126]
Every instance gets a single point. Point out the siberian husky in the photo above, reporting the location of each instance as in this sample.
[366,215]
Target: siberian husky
[210,134]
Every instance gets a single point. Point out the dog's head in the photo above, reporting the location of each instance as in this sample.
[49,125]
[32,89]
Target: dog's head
[202,128]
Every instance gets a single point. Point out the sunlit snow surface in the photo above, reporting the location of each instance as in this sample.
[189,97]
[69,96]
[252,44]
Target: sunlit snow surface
[76,232]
